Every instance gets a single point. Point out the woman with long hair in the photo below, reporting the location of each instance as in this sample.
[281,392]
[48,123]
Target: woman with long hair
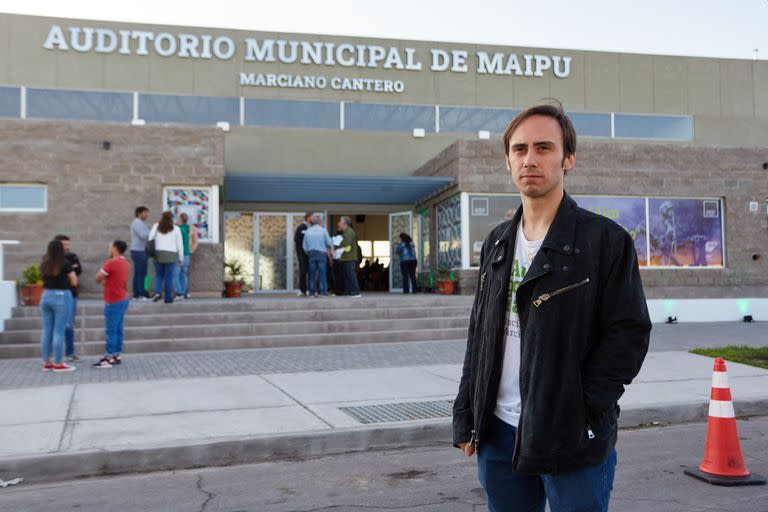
[169,255]
[58,280]
[406,252]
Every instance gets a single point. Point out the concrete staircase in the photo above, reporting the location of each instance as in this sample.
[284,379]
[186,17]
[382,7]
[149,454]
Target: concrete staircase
[254,322]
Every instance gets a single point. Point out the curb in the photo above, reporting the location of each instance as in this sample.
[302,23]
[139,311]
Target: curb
[53,467]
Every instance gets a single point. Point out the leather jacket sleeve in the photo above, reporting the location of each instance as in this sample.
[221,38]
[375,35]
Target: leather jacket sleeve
[463,420]
[624,330]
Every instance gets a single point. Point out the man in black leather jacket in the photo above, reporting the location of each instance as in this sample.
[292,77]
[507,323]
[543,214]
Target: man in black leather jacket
[559,326]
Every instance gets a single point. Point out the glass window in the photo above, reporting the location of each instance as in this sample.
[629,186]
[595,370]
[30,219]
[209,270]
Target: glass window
[304,114]
[393,118]
[686,232]
[471,120]
[86,105]
[627,212]
[162,108]
[10,102]
[449,233]
[638,126]
[591,125]
[485,213]
[23,197]
[424,239]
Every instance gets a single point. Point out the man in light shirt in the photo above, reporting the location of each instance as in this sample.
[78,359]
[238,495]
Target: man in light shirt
[317,244]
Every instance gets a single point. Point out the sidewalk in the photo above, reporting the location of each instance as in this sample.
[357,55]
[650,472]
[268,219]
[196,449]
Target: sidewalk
[64,431]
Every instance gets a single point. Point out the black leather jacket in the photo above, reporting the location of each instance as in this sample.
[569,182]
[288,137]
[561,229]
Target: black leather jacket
[584,332]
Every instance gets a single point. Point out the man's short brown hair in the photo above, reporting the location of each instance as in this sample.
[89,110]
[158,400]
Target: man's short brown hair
[555,111]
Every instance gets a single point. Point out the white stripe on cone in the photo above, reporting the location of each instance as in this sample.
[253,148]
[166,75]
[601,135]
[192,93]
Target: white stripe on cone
[720,409]
[719,380]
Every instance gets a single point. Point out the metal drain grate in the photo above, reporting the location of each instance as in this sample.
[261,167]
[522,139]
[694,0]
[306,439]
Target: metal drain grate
[405,411]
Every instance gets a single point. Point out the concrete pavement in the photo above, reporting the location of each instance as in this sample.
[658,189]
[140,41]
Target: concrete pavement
[85,429]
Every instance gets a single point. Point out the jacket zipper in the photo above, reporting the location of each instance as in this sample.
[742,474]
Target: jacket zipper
[474,440]
[546,296]
[480,305]
[590,434]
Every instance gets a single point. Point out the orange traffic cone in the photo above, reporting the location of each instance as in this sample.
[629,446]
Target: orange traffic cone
[723,463]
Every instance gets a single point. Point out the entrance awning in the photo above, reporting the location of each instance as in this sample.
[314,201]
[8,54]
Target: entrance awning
[310,188]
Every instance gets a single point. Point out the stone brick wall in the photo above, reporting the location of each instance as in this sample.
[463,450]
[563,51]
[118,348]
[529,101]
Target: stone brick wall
[92,191]
[650,169]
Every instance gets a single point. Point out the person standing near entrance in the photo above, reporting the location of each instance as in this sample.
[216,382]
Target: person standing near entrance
[169,253]
[317,244]
[406,252]
[139,238]
[69,332]
[301,255]
[348,258]
[189,240]
[113,275]
[55,305]
[559,326]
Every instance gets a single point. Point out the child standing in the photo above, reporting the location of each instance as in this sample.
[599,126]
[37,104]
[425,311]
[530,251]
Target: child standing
[114,277]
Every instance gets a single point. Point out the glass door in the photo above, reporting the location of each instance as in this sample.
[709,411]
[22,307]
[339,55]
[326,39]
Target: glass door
[276,267]
[400,222]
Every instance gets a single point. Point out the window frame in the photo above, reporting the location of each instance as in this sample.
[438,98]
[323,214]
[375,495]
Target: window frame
[44,209]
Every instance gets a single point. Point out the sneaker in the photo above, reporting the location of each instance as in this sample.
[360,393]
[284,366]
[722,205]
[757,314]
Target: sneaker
[115,360]
[143,299]
[63,367]
[156,297]
[72,358]
[187,296]
[300,294]
[102,363]
[47,367]
[356,295]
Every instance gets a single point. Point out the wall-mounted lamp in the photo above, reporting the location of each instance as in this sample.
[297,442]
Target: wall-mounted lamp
[419,133]
[224,125]
[484,134]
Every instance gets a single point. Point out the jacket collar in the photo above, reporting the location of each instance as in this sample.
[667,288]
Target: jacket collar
[561,234]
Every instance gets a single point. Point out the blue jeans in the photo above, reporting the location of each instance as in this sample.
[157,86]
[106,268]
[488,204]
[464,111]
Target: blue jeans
[408,270]
[139,273]
[54,309]
[585,490]
[113,326]
[318,266]
[165,275]
[182,277]
[69,332]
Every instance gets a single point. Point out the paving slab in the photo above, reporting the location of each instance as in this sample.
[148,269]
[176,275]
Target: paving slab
[31,438]
[130,399]
[357,385]
[35,405]
[180,427]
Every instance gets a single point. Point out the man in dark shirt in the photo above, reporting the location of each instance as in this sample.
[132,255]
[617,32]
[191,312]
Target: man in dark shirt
[69,333]
[303,258]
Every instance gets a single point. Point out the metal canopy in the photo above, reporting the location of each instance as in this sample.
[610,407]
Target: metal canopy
[310,188]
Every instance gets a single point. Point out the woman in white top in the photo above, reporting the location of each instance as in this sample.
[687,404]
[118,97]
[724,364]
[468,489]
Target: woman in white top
[169,254]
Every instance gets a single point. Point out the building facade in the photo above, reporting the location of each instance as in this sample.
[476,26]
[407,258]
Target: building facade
[247,130]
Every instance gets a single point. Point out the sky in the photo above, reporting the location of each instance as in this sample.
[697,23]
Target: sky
[708,28]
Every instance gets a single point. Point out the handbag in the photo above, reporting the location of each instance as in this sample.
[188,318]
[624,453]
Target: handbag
[149,248]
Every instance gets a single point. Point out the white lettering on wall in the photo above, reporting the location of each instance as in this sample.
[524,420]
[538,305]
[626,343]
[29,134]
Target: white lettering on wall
[315,53]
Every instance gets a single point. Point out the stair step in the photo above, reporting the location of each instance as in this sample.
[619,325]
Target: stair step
[217,330]
[95,348]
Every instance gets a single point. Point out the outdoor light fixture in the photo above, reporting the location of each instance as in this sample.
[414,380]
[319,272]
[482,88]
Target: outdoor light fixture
[224,125]
[748,319]
[671,320]
[138,122]
[484,134]
[419,133]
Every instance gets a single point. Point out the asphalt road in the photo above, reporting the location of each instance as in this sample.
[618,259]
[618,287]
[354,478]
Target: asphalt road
[649,478]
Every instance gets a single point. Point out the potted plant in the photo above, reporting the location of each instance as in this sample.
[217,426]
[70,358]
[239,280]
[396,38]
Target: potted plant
[446,281]
[234,281]
[31,285]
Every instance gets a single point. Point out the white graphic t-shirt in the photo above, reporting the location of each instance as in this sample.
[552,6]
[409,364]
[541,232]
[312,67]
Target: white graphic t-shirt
[508,400]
